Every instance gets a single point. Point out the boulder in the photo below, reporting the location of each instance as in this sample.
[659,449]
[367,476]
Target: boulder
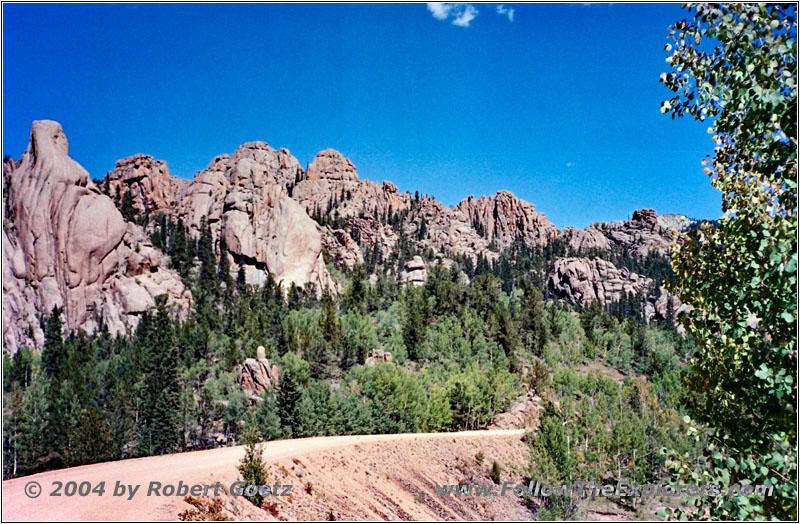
[256,375]
[525,413]
[331,165]
[415,272]
[378,355]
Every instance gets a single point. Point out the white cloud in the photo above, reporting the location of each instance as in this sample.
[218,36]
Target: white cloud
[466,16]
[461,14]
[439,10]
[503,10]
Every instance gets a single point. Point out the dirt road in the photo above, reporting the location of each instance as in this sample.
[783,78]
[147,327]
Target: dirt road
[200,467]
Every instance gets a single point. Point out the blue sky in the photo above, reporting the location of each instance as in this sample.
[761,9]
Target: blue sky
[557,103]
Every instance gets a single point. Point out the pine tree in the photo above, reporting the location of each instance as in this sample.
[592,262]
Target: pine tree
[295,373]
[158,420]
[251,466]
[268,417]
[224,267]
[34,429]
[53,353]
[126,207]
[241,281]
[293,301]
[533,317]
[326,349]
[179,250]
[19,369]
[357,291]
[208,262]
[669,321]
[416,312]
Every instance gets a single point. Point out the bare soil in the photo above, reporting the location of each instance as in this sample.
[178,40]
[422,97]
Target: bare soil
[363,477]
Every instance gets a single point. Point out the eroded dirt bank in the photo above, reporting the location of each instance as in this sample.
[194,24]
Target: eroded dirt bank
[370,477]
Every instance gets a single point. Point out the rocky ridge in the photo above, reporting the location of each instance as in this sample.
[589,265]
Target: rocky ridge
[332,188]
[506,219]
[644,233]
[70,247]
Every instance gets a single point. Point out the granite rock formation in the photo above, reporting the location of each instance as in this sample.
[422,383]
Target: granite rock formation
[148,181]
[244,199]
[66,245]
[646,232]
[415,272]
[332,188]
[505,219]
[583,281]
[256,375]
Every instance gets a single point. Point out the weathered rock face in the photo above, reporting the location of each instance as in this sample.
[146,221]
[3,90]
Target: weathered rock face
[646,232]
[204,197]
[345,250]
[270,231]
[65,244]
[331,165]
[148,182]
[523,414]
[332,188]
[256,164]
[583,280]
[505,219]
[414,272]
[256,375]
[449,230]
[374,235]
[244,199]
